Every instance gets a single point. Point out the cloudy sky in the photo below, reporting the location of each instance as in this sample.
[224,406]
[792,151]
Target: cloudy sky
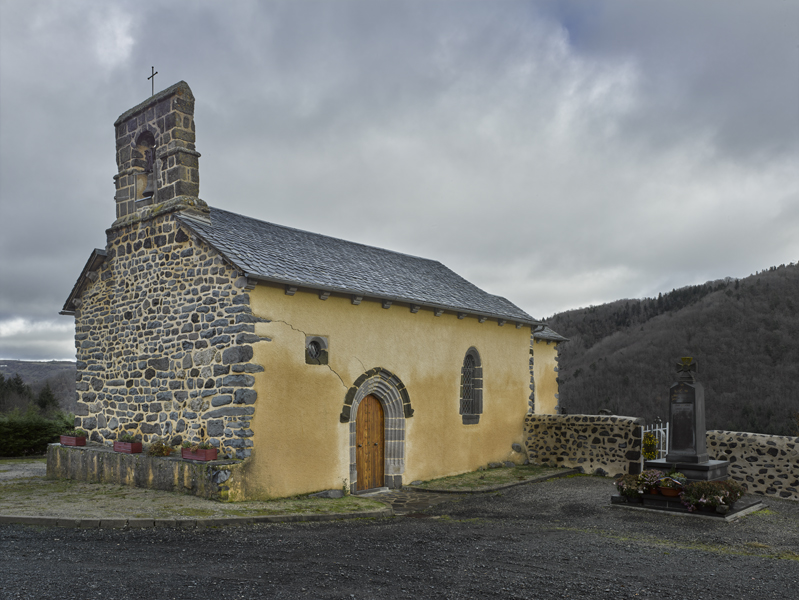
[560,154]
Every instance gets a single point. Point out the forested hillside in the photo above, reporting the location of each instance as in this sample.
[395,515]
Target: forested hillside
[744,335]
[22,382]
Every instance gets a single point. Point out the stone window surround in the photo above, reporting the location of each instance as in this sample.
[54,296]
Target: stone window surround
[322,346]
[473,417]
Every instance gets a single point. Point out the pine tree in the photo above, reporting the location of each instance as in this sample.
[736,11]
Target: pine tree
[46,400]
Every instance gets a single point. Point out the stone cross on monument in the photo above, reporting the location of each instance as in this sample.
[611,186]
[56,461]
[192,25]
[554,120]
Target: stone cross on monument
[687,435]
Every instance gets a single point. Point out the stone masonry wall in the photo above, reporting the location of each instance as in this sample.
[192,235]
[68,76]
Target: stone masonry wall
[609,445]
[768,464]
[164,342]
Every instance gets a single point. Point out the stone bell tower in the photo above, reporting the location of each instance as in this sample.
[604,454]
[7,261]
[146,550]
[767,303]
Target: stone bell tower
[156,158]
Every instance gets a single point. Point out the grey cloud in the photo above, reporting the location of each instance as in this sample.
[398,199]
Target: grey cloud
[558,154]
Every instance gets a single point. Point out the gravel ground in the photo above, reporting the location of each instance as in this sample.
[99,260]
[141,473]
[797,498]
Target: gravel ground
[558,539]
[21,468]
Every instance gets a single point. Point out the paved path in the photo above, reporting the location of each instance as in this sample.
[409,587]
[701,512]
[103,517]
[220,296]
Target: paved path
[407,502]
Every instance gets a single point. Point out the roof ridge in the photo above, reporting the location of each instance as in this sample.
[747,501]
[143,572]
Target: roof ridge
[331,237]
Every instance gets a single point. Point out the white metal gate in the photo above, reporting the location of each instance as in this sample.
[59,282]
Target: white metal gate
[661,432]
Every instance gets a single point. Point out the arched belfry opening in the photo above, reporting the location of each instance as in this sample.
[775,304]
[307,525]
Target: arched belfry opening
[144,162]
[395,403]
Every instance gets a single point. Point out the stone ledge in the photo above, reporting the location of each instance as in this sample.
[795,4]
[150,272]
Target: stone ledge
[178,203]
[189,523]
[742,507]
[98,463]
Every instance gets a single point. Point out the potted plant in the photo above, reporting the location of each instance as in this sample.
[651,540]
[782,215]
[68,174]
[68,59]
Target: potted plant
[672,484]
[629,488]
[159,448]
[127,444]
[199,451]
[649,480]
[74,438]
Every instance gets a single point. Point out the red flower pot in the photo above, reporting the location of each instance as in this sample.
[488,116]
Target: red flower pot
[200,454]
[72,440]
[673,492]
[127,447]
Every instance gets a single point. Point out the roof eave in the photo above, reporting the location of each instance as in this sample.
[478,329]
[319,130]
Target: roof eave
[96,259]
[346,291]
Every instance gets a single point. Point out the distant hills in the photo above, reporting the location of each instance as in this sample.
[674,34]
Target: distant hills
[744,335]
[60,374]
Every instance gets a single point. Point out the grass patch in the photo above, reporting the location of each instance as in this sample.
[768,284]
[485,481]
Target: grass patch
[195,512]
[483,480]
[748,549]
[763,512]
[756,545]
[77,499]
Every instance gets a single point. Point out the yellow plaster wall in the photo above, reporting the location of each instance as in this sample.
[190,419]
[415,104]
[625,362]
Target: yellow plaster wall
[545,376]
[301,446]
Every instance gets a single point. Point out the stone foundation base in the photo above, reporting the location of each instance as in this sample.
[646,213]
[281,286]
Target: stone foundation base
[95,463]
[712,470]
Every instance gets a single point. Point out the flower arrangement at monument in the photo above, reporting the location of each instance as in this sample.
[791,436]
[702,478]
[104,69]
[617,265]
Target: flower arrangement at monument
[672,483]
[650,446]
[712,495]
[629,487]
[649,480]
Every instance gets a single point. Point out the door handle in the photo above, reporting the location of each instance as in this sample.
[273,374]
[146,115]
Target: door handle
[375,443]
[360,445]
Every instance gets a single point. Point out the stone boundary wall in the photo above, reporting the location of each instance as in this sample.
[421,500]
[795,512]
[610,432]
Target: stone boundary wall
[768,464]
[100,464]
[607,445]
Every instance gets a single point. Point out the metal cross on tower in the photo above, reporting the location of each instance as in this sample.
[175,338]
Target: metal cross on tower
[152,78]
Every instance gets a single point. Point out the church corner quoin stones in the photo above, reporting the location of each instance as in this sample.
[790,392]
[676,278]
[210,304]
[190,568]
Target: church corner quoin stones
[317,362]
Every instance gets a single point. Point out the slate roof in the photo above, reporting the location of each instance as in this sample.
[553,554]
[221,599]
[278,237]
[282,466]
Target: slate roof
[269,252]
[547,334]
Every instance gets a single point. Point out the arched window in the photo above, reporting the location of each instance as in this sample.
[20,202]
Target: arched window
[471,402]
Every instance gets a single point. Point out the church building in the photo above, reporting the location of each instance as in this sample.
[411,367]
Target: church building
[319,363]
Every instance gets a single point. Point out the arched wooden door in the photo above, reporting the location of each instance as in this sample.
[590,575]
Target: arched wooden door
[370,453]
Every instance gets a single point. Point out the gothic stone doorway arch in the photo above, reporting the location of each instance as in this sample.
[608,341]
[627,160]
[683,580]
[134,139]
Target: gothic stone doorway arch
[389,391]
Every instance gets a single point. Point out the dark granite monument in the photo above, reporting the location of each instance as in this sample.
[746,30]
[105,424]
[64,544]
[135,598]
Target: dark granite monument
[687,446]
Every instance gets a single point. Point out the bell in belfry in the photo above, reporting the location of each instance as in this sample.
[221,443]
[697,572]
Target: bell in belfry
[149,155]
